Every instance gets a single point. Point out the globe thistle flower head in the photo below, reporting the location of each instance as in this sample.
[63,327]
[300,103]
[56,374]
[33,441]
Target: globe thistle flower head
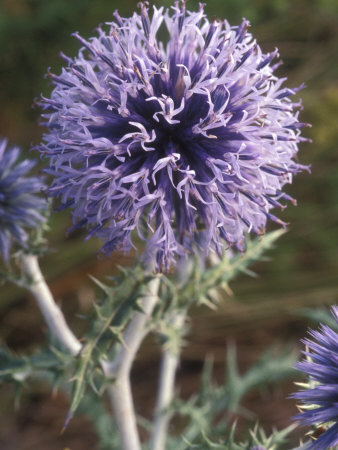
[20,208]
[320,399]
[190,142]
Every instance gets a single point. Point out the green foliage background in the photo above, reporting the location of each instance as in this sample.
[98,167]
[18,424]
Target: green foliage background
[304,266]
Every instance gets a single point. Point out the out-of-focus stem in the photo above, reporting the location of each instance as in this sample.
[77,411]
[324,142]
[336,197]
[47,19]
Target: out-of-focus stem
[119,369]
[165,393]
[51,312]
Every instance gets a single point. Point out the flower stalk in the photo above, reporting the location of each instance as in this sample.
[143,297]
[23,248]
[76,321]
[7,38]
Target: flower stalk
[52,314]
[169,364]
[119,369]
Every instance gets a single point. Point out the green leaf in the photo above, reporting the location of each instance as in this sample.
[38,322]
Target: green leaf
[257,438]
[112,314]
[106,429]
[203,284]
[208,410]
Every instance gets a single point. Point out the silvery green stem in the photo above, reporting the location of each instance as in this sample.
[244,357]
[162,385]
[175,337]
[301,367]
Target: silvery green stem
[165,393]
[122,402]
[51,312]
[119,369]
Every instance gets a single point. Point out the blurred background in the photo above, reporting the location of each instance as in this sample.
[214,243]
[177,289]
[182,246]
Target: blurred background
[264,311]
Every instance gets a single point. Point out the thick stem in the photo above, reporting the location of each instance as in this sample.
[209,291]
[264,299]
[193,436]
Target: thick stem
[51,312]
[119,370]
[123,406]
[165,394]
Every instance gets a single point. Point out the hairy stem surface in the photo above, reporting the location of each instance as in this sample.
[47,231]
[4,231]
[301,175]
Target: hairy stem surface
[169,364]
[51,312]
[119,369]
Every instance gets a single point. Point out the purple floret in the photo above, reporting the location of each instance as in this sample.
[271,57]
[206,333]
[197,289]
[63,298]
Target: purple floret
[189,143]
[321,366]
[20,208]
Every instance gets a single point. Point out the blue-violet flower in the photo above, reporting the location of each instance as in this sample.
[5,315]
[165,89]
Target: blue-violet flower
[320,400]
[20,208]
[190,143]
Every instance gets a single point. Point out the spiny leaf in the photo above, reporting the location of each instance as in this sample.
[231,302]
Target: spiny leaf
[18,368]
[227,269]
[203,286]
[93,407]
[108,290]
[209,408]
[112,316]
[257,438]
[117,333]
[204,281]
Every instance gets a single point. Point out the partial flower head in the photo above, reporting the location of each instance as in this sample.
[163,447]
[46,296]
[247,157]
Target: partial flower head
[320,399]
[20,208]
[190,142]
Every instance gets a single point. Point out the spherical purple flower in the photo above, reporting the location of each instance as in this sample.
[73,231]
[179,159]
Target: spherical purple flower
[20,208]
[190,142]
[320,400]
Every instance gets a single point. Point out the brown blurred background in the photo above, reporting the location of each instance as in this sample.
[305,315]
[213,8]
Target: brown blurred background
[265,310]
